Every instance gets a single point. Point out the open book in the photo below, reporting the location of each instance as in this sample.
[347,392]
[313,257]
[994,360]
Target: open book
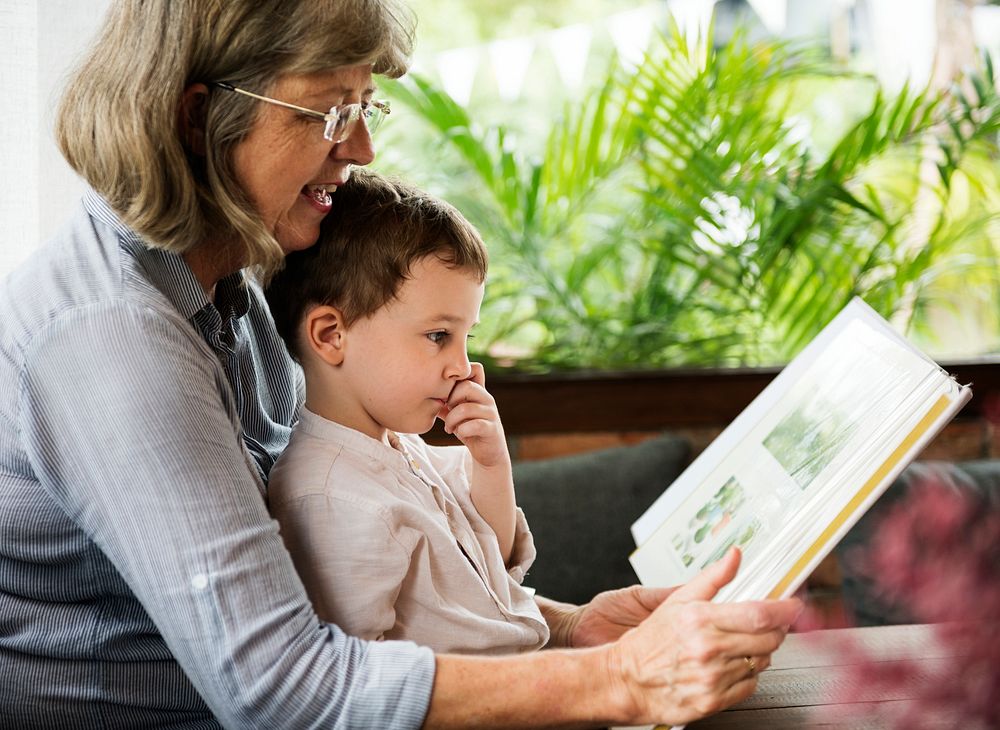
[802,463]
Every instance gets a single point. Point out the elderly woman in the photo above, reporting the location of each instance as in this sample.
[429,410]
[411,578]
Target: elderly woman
[144,395]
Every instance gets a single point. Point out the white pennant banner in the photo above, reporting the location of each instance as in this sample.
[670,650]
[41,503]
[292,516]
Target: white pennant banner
[986,28]
[772,13]
[630,32]
[569,47]
[457,69]
[905,33]
[510,59]
[692,16]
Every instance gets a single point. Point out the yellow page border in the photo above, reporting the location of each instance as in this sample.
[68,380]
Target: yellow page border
[921,428]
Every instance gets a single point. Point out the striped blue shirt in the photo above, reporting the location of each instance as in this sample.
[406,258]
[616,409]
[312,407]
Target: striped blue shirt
[142,581]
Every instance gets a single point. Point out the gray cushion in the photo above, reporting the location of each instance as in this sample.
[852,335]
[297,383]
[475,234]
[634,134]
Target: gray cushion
[580,509]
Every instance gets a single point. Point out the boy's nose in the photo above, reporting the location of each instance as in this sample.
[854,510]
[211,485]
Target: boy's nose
[459,368]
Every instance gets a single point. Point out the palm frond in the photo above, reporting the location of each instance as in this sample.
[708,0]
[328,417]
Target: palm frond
[681,212]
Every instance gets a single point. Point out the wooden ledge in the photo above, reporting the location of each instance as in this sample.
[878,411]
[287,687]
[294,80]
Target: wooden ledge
[666,399]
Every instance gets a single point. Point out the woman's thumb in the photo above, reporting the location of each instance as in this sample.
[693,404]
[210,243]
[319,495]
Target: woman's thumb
[707,583]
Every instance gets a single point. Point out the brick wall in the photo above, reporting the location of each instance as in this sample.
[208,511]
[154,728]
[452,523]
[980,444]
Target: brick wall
[961,440]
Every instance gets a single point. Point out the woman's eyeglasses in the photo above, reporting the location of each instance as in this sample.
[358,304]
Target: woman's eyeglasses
[340,120]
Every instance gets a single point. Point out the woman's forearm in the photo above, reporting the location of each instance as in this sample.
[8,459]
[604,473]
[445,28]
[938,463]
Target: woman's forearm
[558,688]
[659,656]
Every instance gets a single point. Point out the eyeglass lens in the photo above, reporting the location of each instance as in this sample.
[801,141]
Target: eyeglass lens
[341,122]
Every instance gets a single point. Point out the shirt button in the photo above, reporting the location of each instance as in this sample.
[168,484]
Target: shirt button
[199,582]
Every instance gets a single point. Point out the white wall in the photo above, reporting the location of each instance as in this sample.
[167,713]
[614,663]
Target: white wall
[18,130]
[39,42]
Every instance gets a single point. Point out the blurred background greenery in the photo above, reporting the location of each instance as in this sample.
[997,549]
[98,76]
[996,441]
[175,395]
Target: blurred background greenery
[708,183]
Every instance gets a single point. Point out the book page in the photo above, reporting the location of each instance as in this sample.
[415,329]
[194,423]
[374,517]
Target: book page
[856,397]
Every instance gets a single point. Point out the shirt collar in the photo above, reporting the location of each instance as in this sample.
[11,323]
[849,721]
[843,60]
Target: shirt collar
[170,273]
[375,450]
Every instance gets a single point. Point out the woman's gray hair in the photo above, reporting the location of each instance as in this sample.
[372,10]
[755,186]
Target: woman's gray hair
[118,122]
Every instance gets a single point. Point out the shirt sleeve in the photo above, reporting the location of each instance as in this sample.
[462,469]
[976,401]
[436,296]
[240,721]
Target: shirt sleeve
[522,557]
[351,557]
[130,424]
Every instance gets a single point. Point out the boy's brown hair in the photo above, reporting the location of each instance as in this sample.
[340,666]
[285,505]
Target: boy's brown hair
[368,242]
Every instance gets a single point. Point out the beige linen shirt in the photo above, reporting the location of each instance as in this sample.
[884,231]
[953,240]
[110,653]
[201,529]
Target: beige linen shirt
[390,546]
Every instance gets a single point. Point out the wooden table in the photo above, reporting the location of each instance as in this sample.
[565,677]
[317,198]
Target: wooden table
[809,676]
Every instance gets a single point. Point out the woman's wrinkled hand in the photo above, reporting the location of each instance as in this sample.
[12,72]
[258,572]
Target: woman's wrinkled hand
[689,658]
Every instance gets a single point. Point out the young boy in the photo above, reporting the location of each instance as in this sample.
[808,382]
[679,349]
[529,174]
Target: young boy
[395,538]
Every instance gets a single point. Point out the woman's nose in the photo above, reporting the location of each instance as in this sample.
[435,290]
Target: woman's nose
[357,148]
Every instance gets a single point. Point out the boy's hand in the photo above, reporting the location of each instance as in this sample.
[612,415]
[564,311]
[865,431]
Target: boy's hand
[472,416]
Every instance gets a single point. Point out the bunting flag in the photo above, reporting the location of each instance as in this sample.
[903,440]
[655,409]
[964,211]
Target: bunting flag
[905,35]
[457,70]
[772,13]
[569,47]
[510,58]
[692,16]
[986,28]
[630,32]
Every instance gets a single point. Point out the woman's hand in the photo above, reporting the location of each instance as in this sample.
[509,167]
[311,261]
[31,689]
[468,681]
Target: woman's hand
[686,660]
[689,658]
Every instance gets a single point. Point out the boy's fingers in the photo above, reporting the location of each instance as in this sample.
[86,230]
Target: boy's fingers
[468,412]
[468,391]
[477,374]
[474,428]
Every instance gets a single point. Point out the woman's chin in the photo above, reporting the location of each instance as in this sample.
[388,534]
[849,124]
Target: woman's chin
[302,238]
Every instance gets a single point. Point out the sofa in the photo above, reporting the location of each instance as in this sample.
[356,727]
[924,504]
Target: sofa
[580,509]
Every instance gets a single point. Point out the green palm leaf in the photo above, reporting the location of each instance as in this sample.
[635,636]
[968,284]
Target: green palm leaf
[681,212]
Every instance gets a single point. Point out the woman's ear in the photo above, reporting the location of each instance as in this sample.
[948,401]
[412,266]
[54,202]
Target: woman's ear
[191,117]
[325,333]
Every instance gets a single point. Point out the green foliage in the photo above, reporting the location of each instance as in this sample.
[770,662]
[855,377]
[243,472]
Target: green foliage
[682,212]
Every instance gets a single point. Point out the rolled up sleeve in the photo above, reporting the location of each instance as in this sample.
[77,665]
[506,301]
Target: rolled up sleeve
[523,554]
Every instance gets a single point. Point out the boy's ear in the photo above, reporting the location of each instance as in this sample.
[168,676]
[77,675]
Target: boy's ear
[191,117]
[324,333]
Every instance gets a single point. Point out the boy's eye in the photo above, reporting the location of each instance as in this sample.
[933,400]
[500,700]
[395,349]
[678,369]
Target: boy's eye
[437,337]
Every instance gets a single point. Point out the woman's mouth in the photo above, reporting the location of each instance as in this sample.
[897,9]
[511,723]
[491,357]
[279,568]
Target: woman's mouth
[320,195]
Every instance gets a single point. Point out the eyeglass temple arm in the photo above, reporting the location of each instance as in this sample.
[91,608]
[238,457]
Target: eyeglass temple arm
[301,109]
[381,105]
